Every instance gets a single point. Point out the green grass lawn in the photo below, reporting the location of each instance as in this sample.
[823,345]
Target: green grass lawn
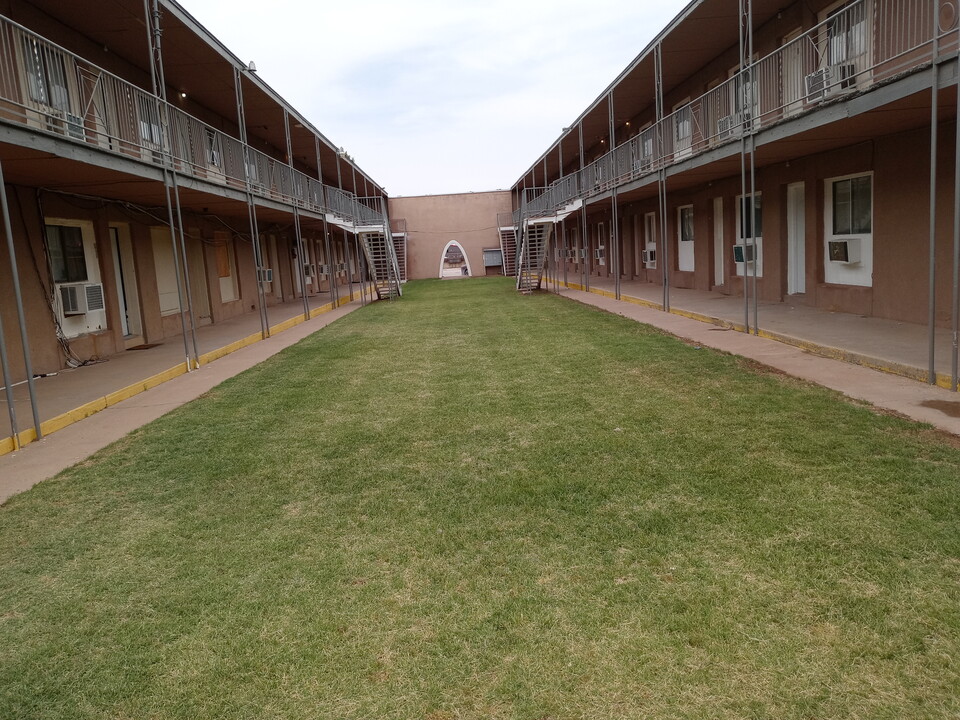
[474,504]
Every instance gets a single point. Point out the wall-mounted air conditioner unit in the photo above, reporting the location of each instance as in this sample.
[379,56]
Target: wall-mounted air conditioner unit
[265,275]
[598,253]
[308,270]
[817,83]
[342,267]
[323,269]
[583,253]
[743,253]
[81,298]
[728,124]
[649,257]
[846,251]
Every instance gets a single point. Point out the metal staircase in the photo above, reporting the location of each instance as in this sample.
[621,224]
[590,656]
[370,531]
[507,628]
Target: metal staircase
[508,243]
[534,244]
[381,255]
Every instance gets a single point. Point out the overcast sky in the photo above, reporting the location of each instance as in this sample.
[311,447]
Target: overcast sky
[438,96]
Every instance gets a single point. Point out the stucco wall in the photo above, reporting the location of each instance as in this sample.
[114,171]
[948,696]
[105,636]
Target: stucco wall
[433,221]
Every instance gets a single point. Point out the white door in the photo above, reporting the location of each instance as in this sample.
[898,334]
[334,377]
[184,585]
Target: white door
[796,240]
[685,254]
[123,263]
[650,238]
[718,241]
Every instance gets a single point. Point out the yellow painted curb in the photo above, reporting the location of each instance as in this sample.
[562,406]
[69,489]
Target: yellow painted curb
[847,356]
[25,437]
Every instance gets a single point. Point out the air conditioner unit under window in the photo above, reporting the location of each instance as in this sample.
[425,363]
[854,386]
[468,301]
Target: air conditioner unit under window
[649,257]
[265,275]
[81,298]
[817,83]
[846,251]
[598,254]
[743,253]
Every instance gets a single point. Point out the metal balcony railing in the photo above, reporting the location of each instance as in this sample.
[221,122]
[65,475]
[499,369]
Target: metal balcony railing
[857,47]
[49,89]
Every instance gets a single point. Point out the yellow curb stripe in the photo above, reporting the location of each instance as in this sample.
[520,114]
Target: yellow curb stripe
[9,445]
[848,356]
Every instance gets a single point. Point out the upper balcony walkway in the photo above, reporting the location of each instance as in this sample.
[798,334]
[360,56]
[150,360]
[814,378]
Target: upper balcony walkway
[866,45]
[51,90]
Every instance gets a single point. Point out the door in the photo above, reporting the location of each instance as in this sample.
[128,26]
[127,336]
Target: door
[130,318]
[796,240]
[685,253]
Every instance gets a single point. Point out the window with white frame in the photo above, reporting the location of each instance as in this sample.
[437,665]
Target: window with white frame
[848,232]
[749,233]
[75,266]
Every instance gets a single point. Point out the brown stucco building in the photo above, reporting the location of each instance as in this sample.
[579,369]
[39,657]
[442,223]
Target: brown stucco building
[436,222]
[155,184]
[838,118]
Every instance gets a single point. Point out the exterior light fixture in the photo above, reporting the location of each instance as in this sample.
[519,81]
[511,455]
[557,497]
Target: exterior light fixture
[183,94]
[252,66]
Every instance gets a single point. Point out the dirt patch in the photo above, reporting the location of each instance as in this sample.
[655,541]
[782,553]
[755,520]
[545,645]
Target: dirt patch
[950,408]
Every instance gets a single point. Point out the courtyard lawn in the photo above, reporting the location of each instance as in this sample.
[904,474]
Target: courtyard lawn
[474,504]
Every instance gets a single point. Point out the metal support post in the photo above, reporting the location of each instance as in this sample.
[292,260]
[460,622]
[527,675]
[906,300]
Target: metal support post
[251,207]
[932,281]
[662,176]
[955,357]
[615,243]
[171,191]
[8,387]
[21,320]
[301,252]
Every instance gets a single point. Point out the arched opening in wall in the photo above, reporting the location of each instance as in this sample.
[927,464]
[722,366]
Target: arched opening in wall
[454,261]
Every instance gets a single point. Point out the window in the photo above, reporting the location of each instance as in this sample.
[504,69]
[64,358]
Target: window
[686,224]
[214,156]
[848,230]
[751,227]
[683,129]
[853,206]
[149,117]
[46,75]
[847,33]
[67,259]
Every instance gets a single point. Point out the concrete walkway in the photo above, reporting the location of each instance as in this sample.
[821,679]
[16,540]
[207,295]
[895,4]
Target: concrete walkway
[925,403]
[45,458]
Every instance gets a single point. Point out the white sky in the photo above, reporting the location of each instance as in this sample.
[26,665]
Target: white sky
[438,96]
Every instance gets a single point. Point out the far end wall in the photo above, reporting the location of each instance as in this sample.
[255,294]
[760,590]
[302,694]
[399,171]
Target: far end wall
[433,221]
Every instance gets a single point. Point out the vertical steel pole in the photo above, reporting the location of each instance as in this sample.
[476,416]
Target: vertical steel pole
[251,206]
[754,117]
[8,387]
[21,319]
[326,228]
[932,299]
[955,358]
[662,175]
[151,17]
[582,260]
[743,208]
[301,254]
